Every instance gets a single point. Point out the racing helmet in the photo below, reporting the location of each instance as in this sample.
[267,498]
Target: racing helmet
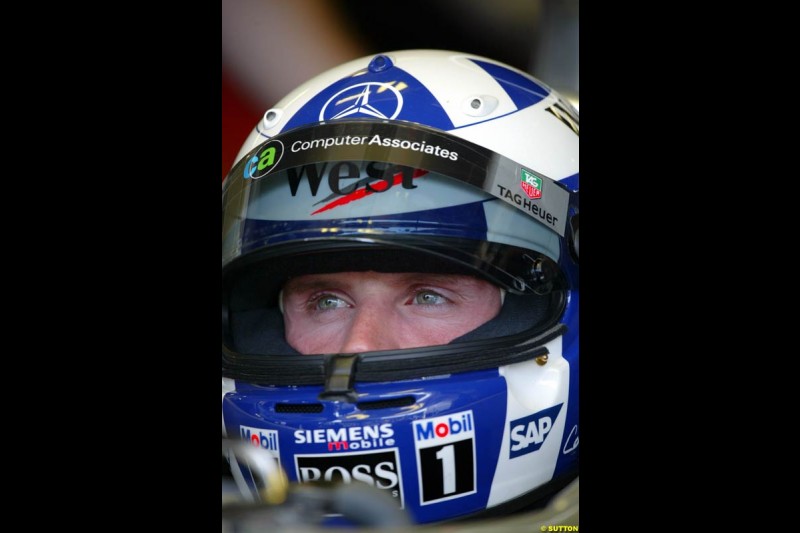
[411,161]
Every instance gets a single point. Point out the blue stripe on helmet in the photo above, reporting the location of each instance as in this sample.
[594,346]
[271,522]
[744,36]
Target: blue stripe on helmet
[523,91]
[570,182]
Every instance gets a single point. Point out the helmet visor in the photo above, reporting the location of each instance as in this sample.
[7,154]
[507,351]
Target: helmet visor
[364,180]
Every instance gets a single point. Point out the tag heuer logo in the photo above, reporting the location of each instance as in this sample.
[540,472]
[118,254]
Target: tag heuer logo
[531,184]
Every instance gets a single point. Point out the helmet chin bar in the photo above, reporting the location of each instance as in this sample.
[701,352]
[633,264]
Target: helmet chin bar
[339,372]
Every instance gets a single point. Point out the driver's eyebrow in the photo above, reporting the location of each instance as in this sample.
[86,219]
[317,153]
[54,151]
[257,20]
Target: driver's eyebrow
[305,284]
[312,282]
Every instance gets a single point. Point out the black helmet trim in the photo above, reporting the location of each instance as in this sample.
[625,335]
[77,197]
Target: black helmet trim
[538,196]
[390,365]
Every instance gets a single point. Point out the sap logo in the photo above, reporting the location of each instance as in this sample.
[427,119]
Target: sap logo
[263,438]
[370,99]
[444,426]
[528,433]
[265,160]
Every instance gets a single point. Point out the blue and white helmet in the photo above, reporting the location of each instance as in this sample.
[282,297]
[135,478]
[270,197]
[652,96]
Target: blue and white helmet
[413,161]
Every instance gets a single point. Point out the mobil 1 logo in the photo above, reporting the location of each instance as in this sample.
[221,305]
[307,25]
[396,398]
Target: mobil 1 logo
[445,457]
[378,469]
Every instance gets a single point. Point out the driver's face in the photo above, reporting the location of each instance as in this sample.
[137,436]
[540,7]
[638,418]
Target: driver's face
[363,311]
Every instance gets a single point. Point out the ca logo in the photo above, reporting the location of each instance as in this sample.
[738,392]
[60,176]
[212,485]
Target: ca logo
[265,160]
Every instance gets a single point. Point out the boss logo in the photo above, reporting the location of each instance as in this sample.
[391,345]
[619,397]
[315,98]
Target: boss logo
[378,469]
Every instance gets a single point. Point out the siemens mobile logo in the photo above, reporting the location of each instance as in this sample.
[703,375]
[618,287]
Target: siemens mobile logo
[444,427]
[348,438]
[261,438]
[528,433]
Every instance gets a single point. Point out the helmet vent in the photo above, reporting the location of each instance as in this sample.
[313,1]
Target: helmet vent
[380,63]
[479,105]
[564,115]
[403,401]
[272,117]
[298,407]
